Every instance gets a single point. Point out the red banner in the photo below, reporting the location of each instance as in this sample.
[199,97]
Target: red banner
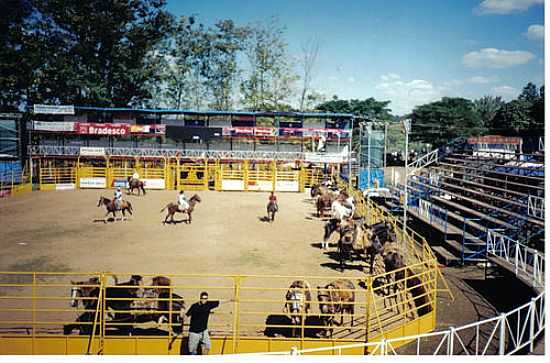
[265,131]
[495,139]
[102,129]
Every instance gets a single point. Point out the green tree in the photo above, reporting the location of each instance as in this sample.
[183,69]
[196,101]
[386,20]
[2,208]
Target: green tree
[529,93]
[537,112]
[219,61]
[441,121]
[269,82]
[487,107]
[512,118]
[15,53]
[370,107]
[96,52]
[182,84]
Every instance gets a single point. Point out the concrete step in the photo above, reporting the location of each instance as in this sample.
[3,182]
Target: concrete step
[445,257]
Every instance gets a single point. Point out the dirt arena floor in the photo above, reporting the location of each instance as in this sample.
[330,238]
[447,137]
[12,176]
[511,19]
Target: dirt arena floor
[60,231]
[64,231]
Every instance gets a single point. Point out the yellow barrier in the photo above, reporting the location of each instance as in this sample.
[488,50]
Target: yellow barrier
[35,311]
[313,176]
[192,177]
[12,186]
[51,177]
[243,178]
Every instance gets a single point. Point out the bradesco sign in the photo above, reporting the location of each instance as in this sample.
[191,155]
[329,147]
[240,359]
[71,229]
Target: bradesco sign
[102,129]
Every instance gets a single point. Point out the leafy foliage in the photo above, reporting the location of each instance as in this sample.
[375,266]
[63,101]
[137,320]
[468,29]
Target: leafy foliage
[441,121]
[369,107]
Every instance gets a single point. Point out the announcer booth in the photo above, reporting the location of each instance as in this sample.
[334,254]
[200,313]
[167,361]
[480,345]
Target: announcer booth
[496,146]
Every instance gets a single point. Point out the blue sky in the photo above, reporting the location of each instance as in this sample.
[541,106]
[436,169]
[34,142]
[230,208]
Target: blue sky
[409,52]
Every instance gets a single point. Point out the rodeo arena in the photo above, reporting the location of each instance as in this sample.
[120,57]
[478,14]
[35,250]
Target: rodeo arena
[115,220]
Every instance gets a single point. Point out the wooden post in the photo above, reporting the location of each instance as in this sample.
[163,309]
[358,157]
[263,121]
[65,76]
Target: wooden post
[274,174]
[245,174]
[33,310]
[236,307]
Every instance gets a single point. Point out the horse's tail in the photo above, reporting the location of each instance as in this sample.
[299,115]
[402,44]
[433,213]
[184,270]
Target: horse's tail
[130,206]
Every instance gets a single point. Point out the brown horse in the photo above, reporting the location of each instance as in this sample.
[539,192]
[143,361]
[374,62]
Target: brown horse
[298,302]
[338,297]
[111,207]
[374,239]
[174,208]
[161,299]
[324,203]
[135,184]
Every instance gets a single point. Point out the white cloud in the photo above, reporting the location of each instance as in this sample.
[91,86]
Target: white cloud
[481,80]
[506,92]
[389,77]
[351,79]
[404,95]
[535,32]
[496,58]
[502,7]
[332,78]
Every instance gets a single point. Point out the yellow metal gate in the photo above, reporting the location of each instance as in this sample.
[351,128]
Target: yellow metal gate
[192,177]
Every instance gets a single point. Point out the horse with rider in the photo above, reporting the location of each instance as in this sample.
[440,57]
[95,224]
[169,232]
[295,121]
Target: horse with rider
[183,205]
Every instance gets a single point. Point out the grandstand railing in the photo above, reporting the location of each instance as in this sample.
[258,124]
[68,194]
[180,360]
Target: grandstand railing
[45,150]
[526,261]
[506,334]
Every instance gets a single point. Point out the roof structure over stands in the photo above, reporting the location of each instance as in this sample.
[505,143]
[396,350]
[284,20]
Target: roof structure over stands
[217,113]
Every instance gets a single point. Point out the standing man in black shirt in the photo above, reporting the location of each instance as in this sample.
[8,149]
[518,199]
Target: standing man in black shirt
[198,327]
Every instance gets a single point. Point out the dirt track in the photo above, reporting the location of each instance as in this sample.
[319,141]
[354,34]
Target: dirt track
[58,231]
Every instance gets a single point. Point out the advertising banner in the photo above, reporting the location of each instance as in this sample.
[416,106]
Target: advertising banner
[55,126]
[93,183]
[102,129]
[120,183]
[65,186]
[92,151]
[242,131]
[154,183]
[53,109]
[152,130]
[265,131]
[286,186]
[324,158]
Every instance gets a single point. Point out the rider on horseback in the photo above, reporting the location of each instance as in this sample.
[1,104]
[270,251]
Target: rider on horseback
[273,199]
[348,202]
[183,202]
[135,176]
[118,199]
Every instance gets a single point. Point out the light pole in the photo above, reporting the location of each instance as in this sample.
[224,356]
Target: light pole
[349,154]
[407,127]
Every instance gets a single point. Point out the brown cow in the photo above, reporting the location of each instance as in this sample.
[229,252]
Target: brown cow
[338,297]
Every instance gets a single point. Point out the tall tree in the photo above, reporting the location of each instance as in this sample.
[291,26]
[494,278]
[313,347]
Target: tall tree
[512,118]
[15,53]
[181,83]
[308,58]
[487,107]
[97,52]
[537,112]
[529,93]
[219,61]
[369,107]
[268,84]
[438,122]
